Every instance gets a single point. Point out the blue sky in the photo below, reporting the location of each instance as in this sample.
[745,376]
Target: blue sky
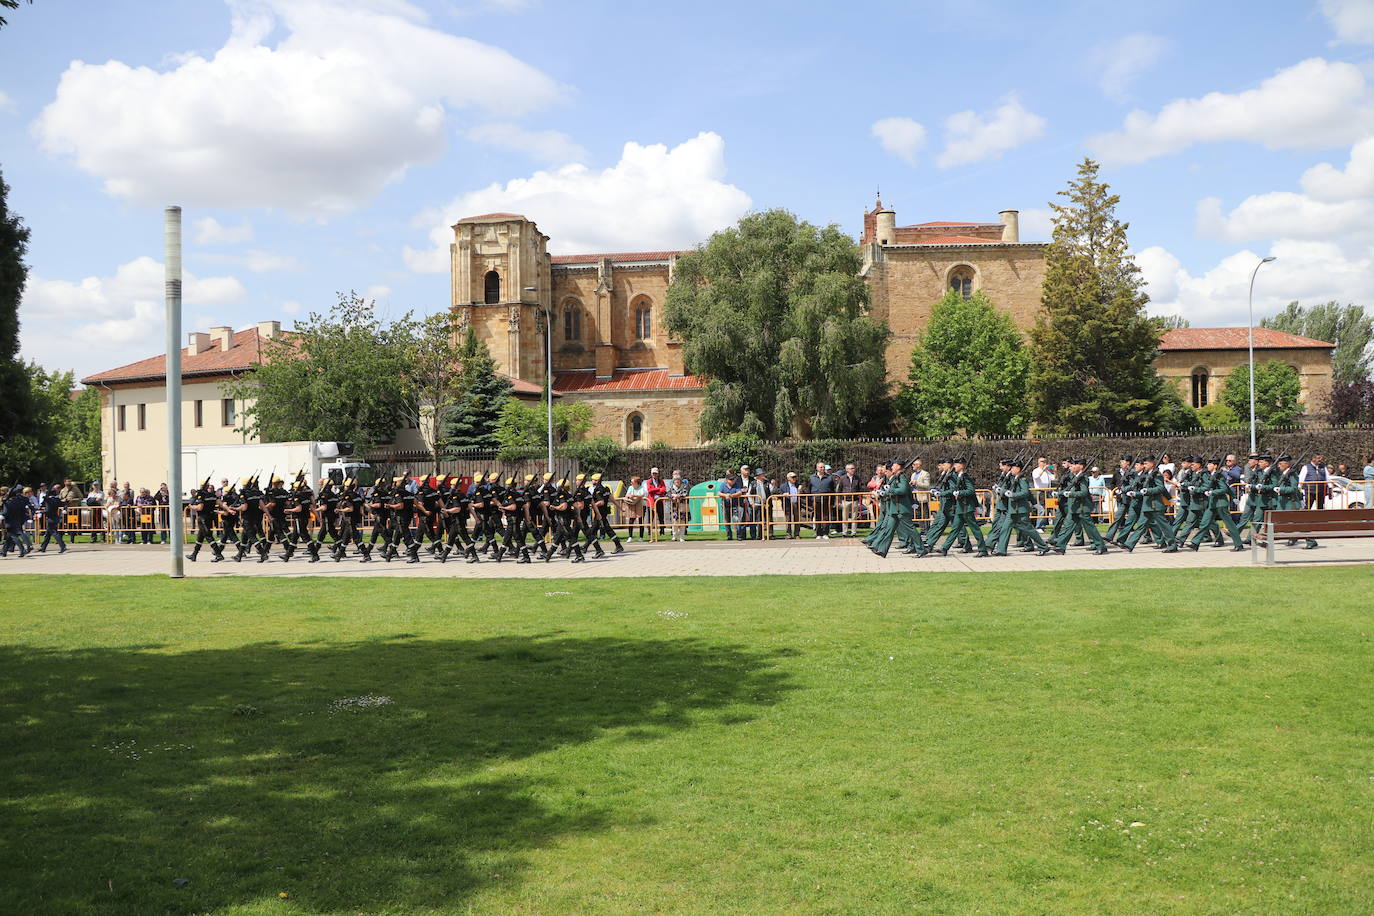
[323,145]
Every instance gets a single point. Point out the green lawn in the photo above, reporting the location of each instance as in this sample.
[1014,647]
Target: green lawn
[1193,741]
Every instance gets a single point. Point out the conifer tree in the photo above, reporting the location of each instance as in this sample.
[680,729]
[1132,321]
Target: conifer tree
[1093,346]
[486,393]
[18,412]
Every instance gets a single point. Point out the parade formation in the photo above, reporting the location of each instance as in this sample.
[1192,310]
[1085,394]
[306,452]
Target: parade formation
[522,520]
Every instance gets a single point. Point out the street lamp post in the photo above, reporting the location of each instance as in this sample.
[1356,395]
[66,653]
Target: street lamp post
[1262,262]
[548,372]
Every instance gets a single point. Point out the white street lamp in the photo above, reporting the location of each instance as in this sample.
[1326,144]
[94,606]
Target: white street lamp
[1262,262]
[548,371]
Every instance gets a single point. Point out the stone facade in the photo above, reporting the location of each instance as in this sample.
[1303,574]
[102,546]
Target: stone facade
[1198,361]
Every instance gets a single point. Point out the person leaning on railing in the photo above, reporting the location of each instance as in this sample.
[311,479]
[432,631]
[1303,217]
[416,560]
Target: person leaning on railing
[679,513]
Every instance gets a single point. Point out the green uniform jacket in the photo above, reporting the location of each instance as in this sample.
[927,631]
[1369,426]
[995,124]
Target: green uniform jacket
[963,493]
[1290,490]
[1151,490]
[1078,497]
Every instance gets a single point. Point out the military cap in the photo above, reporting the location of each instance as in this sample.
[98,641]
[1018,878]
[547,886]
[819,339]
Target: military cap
[1214,461]
[580,476]
[596,478]
[1265,457]
[1285,457]
[1004,461]
[548,476]
[245,482]
[1253,456]
[760,472]
[529,477]
[1148,458]
[959,460]
[397,479]
[510,481]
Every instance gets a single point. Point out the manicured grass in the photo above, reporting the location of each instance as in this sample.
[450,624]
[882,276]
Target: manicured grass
[1194,741]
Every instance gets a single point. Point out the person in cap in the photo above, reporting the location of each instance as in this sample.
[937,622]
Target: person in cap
[455,514]
[1193,501]
[1134,505]
[546,527]
[1125,476]
[1288,492]
[760,512]
[1217,509]
[250,514]
[963,502]
[586,514]
[1150,492]
[1017,499]
[349,509]
[1182,507]
[600,516]
[228,507]
[326,515]
[427,515]
[378,504]
[939,506]
[300,499]
[1076,505]
[203,504]
[1247,493]
[402,508]
[903,508]
[274,514]
[790,489]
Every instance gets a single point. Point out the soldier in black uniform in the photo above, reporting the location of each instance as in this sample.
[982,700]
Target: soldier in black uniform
[250,513]
[228,512]
[274,513]
[427,509]
[546,528]
[487,512]
[204,503]
[349,510]
[402,507]
[456,511]
[53,508]
[326,506]
[377,502]
[299,501]
[601,513]
[582,509]
[512,503]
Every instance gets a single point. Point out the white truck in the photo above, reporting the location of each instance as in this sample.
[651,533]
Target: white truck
[235,462]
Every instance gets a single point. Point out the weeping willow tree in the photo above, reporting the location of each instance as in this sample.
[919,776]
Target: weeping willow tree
[774,314]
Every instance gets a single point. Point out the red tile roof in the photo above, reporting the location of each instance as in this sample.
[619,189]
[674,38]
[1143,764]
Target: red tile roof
[952,240]
[1236,339]
[947,222]
[618,256]
[492,216]
[582,380]
[534,389]
[245,349]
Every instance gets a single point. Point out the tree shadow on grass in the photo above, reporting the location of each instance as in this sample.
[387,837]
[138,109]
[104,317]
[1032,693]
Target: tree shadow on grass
[241,770]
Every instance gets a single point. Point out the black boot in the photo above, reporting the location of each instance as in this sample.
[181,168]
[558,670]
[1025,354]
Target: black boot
[619,548]
[443,555]
[195,552]
[524,555]
[313,548]
[414,553]
[472,555]
[366,551]
[498,552]
[218,550]
[288,550]
[596,545]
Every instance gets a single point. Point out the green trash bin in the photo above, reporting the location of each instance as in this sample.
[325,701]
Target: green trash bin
[705,512]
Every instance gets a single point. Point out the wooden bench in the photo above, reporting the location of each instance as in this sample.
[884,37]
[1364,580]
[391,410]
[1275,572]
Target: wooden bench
[1317,525]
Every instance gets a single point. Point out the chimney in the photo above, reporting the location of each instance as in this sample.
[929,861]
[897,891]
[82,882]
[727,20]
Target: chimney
[885,227]
[1011,225]
[222,335]
[197,342]
[269,329]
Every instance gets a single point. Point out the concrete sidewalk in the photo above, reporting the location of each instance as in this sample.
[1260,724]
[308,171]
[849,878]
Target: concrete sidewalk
[751,558]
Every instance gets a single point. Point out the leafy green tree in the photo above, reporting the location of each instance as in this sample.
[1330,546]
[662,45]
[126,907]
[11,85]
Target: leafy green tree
[1169,322]
[596,453]
[1217,415]
[9,5]
[774,314]
[968,372]
[1277,387]
[485,393]
[19,421]
[1175,414]
[431,377]
[335,377]
[1351,402]
[524,427]
[78,441]
[1349,327]
[1093,346]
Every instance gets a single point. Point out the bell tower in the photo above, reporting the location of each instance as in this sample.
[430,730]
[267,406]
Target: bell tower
[501,284]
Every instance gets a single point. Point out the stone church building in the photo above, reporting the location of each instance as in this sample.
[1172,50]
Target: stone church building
[610,347]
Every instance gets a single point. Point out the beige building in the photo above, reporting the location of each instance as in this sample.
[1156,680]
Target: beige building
[133,402]
[1198,360]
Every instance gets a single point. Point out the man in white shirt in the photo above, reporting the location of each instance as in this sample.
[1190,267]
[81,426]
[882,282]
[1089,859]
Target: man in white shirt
[1042,479]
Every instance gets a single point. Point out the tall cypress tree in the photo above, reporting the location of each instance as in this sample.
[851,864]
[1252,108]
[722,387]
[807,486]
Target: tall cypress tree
[18,416]
[1093,346]
[487,391]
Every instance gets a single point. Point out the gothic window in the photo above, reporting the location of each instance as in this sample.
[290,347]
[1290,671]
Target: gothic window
[635,429]
[572,322]
[1199,388]
[961,281]
[643,323]
[491,288]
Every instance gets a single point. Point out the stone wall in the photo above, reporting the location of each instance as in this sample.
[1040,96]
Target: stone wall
[669,416]
[1313,366]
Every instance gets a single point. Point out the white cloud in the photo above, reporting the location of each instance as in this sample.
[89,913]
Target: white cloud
[7,105]
[1326,182]
[653,198]
[376,291]
[102,322]
[1307,271]
[1313,104]
[349,98]
[1352,20]
[551,146]
[1282,214]
[973,137]
[1122,61]
[210,232]
[902,137]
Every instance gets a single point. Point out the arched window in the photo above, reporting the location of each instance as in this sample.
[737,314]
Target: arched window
[572,321]
[644,322]
[491,287]
[635,429]
[961,281]
[1199,387]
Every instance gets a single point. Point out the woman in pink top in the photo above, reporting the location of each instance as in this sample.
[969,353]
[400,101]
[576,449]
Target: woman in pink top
[655,488]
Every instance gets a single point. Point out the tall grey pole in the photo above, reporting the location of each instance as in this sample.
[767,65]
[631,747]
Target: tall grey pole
[1252,350]
[172,266]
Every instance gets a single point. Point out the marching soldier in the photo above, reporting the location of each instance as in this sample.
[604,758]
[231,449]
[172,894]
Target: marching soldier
[1017,500]
[601,512]
[457,513]
[1149,493]
[1125,475]
[379,503]
[274,513]
[1251,479]
[204,503]
[250,513]
[1076,505]
[299,502]
[963,500]
[349,508]
[402,508]
[1217,508]
[1288,492]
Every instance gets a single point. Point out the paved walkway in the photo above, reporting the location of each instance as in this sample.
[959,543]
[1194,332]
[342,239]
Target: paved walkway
[785,558]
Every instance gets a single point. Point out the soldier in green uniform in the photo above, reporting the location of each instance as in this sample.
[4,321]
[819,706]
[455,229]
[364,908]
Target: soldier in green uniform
[1076,505]
[1261,495]
[963,507]
[1249,481]
[879,540]
[1217,508]
[1288,492]
[907,535]
[1183,504]
[1149,493]
[1125,476]
[1016,497]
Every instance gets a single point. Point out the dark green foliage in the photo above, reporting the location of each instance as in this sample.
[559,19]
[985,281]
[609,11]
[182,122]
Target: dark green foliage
[522,430]
[968,373]
[1349,327]
[736,449]
[486,392]
[20,425]
[336,377]
[774,314]
[1093,345]
[594,454]
[1175,414]
[1169,322]
[1277,387]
